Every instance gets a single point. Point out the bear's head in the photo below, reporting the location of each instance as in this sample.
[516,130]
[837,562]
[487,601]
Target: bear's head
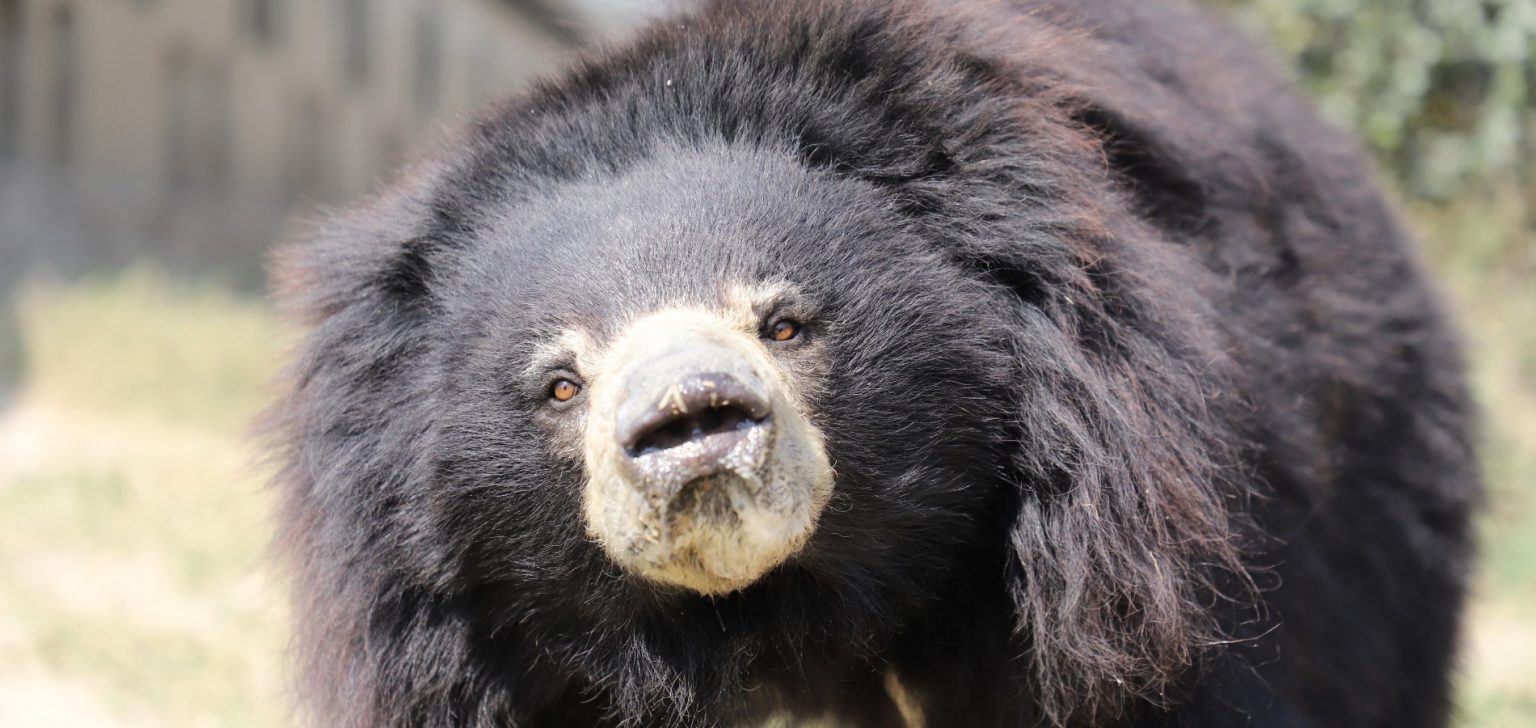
[718,363]
[671,384]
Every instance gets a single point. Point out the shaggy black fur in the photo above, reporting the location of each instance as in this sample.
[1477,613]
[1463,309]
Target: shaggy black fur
[1141,410]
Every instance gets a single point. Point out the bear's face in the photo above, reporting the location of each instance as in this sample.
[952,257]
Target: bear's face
[713,364]
[702,468]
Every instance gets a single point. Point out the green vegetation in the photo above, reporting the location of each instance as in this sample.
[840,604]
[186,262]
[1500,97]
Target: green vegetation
[1442,90]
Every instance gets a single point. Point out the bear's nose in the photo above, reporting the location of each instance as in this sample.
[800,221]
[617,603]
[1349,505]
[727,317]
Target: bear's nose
[701,417]
[694,414]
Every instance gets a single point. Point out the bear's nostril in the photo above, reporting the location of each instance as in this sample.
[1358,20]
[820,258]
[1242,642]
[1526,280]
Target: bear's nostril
[696,408]
[684,428]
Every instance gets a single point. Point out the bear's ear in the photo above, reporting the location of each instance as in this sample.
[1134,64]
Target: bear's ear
[1128,522]
[376,253]
[1149,162]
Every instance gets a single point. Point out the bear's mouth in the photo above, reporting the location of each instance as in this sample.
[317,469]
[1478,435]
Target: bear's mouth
[667,472]
[709,407]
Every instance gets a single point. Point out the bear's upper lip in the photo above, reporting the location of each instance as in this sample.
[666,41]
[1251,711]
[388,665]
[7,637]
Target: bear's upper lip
[663,473]
[698,406]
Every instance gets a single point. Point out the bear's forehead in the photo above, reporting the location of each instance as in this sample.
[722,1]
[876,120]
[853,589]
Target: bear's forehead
[711,226]
[741,307]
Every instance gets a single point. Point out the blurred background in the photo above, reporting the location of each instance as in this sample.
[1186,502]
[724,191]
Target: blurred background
[151,151]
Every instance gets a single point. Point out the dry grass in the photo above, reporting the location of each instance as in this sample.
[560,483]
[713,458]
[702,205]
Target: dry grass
[133,523]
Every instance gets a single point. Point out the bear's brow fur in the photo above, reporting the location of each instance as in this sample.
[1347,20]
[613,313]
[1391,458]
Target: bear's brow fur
[1210,430]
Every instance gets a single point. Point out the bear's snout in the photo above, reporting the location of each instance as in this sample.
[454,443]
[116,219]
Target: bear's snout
[703,470]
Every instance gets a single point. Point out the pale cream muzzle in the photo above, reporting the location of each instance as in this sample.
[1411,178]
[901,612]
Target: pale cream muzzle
[703,471]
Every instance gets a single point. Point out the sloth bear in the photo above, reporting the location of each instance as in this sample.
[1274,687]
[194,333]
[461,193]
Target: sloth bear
[992,364]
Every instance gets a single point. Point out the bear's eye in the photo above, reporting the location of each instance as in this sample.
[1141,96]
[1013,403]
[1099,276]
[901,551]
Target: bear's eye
[783,330]
[563,390]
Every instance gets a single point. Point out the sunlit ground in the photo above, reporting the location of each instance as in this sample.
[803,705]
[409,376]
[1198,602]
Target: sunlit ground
[133,520]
